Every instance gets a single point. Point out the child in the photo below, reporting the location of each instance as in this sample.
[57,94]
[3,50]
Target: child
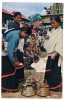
[32,42]
[53,45]
[29,56]
[36,58]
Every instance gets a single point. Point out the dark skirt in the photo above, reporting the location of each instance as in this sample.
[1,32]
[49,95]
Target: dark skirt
[9,81]
[20,71]
[53,73]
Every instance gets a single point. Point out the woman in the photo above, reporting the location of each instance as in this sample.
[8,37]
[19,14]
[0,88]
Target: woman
[9,61]
[53,45]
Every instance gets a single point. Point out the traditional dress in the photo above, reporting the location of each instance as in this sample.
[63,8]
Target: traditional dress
[53,66]
[19,52]
[9,81]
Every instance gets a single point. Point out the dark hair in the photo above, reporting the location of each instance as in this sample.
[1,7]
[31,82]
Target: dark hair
[32,26]
[32,35]
[50,28]
[26,45]
[28,30]
[16,14]
[56,18]
[36,58]
[45,8]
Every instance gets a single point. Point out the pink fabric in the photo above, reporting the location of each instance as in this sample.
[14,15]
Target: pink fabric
[34,31]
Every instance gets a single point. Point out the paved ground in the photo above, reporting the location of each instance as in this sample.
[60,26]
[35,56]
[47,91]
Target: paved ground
[29,73]
[18,94]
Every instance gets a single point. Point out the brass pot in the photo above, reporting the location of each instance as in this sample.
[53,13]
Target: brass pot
[28,90]
[43,90]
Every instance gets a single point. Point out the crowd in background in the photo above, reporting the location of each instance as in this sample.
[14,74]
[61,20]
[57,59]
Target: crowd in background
[21,47]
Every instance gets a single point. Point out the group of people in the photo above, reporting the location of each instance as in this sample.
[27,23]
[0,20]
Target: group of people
[13,62]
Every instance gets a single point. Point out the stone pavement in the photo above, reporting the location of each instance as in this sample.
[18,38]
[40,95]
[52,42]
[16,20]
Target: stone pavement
[28,73]
[18,94]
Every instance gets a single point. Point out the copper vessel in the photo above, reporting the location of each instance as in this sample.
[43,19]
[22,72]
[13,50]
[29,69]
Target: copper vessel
[43,90]
[28,89]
